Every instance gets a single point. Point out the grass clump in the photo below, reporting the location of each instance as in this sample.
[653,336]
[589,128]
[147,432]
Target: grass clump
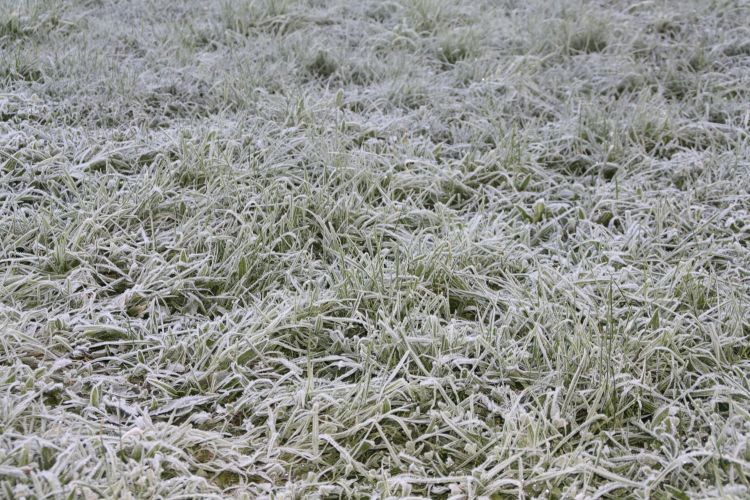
[33,19]
[21,69]
[590,37]
[323,65]
[250,17]
[457,47]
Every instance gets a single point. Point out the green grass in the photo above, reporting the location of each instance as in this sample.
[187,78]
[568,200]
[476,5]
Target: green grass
[374,249]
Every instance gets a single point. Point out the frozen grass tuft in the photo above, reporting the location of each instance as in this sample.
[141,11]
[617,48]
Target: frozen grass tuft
[273,248]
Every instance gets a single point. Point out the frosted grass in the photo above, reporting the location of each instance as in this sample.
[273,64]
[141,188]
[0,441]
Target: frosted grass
[374,249]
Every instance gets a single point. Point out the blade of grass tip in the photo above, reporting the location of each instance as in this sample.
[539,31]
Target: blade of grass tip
[315,430]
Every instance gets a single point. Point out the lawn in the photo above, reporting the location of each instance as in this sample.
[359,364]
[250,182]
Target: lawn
[374,249]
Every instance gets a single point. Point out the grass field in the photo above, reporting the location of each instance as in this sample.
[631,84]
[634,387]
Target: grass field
[350,249]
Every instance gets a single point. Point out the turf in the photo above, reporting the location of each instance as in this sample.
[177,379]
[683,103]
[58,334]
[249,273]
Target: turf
[417,248]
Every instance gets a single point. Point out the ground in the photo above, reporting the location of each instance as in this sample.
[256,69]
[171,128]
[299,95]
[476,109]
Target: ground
[347,249]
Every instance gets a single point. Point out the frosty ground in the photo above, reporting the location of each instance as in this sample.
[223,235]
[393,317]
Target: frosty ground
[347,249]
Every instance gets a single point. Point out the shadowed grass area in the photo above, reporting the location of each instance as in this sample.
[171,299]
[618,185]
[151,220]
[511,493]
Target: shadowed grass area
[414,248]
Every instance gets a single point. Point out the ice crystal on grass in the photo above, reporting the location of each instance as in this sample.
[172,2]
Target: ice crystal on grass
[274,248]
